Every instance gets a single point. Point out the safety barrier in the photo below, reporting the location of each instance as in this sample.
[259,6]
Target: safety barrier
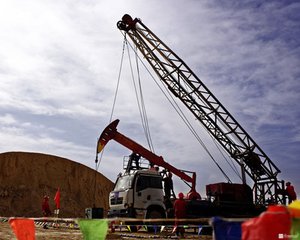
[277,222]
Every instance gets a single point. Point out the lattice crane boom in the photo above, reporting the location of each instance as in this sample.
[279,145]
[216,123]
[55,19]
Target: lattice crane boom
[192,92]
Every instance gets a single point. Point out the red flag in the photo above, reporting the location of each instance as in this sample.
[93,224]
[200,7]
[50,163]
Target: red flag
[57,199]
[24,229]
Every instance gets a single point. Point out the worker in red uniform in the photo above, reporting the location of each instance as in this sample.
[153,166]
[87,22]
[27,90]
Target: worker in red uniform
[290,192]
[46,209]
[180,213]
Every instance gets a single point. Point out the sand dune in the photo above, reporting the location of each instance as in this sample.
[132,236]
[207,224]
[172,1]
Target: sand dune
[26,177]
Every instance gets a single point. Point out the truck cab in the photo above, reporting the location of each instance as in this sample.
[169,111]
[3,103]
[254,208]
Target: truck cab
[140,190]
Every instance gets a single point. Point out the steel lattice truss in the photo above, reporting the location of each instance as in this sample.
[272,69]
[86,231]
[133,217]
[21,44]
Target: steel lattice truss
[185,85]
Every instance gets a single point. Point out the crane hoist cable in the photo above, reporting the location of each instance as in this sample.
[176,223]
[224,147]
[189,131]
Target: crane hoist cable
[231,165]
[192,129]
[221,151]
[181,115]
[145,117]
[114,104]
[140,98]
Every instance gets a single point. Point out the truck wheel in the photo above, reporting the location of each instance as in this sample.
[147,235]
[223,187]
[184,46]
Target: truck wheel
[154,214]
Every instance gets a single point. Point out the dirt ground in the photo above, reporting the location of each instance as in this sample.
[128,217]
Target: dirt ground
[6,233]
[61,233]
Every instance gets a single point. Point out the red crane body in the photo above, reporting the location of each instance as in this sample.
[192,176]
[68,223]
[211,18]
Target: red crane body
[110,132]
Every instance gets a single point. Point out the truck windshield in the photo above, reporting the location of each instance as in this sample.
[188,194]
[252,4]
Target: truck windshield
[123,183]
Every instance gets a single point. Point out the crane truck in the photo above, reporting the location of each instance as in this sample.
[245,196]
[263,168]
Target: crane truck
[183,83]
[140,186]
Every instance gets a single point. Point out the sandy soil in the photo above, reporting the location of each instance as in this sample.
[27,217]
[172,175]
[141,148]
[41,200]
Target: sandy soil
[26,177]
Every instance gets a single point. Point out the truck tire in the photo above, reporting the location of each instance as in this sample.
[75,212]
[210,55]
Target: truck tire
[154,213]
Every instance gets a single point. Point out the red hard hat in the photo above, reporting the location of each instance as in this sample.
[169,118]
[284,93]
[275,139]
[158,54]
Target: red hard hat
[180,195]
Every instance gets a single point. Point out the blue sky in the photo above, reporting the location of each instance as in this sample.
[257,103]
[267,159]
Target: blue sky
[60,60]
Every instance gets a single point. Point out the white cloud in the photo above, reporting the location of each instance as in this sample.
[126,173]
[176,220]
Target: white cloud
[59,64]
[7,119]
